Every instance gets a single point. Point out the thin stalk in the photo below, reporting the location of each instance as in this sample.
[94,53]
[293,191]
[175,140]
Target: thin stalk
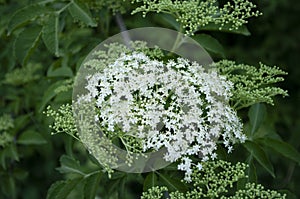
[122,26]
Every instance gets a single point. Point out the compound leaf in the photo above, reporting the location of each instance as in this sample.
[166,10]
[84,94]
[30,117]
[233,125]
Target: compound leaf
[256,115]
[26,14]
[209,43]
[80,11]
[69,165]
[259,154]
[26,42]
[91,185]
[50,34]
[283,148]
[150,181]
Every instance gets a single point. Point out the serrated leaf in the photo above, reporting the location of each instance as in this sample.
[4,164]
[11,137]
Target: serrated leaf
[92,185]
[55,189]
[256,115]
[150,181]
[283,148]
[70,165]
[243,30]
[61,189]
[26,14]
[26,42]
[259,154]
[173,184]
[49,94]
[209,43]
[68,188]
[80,11]
[31,138]
[50,34]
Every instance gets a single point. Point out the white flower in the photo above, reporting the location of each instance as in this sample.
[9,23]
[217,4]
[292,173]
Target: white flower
[199,166]
[177,105]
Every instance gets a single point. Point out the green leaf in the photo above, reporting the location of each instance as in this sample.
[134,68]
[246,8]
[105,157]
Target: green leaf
[289,195]
[283,148]
[121,188]
[49,94]
[69,143]
[69,165]
[31,137]
[2,158]
[150,181]
[209,43]
[21,121]
[63,97]
[26,42]
[26,14]
[50,34]
[20,174]
[12,152]
[172,167]
[60,72]
[256,115]
[55,189]
[170,20]
[68,188]
[173,184]
[80,11]
[61,189]
[118,175]
[92,185]
[250,172]
[9,186]
[93,159]
[243,30]
[259,154]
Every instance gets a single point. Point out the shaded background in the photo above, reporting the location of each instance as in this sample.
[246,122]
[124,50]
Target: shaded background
[29,172]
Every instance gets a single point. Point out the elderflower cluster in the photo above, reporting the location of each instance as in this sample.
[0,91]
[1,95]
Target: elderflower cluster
[65,86]
[64,120]
[23,75]
[217,179]
[177,105]
[251,85]
[196,14]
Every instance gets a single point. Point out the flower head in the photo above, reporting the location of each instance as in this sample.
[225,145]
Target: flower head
[175,104]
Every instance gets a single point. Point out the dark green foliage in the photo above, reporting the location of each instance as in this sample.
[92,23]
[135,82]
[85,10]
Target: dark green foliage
[42,46]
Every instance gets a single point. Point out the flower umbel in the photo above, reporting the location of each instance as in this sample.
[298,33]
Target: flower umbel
[217,179]
[196,14]
[177,105]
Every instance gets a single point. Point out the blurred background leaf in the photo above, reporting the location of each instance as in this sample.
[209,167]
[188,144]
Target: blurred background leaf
[42,46]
